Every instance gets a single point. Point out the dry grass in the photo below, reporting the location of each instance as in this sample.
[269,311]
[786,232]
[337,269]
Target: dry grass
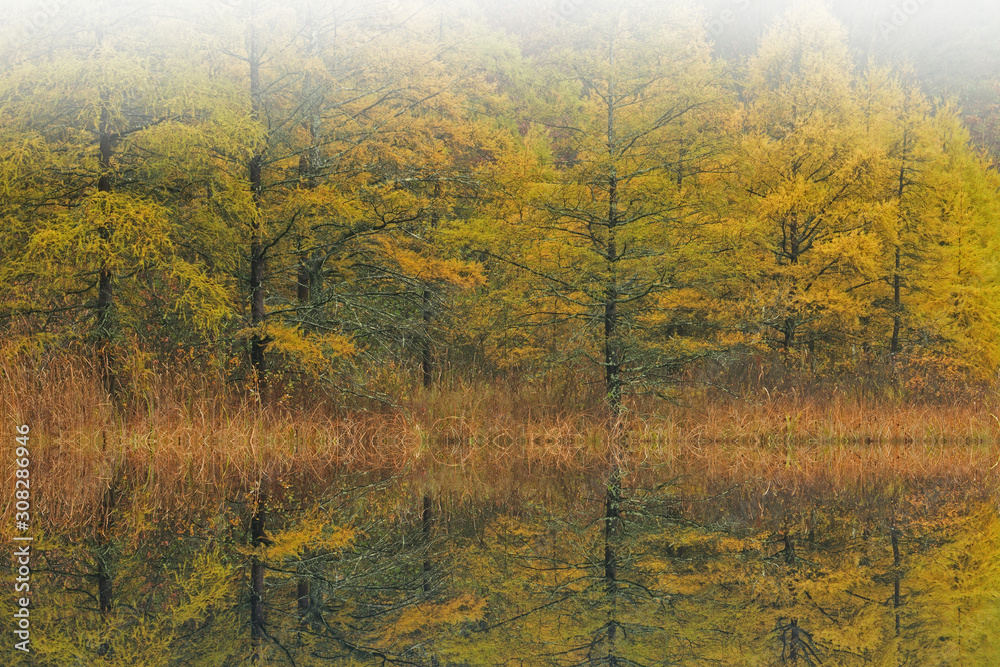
[185,442]
[832,418]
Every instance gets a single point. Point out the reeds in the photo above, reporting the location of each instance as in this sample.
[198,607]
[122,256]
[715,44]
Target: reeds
[185,441]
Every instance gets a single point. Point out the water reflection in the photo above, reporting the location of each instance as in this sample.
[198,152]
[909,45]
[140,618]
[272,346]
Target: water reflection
[427,568]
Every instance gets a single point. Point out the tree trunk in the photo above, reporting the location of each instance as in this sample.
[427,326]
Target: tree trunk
[105,579]
[896,308]
[105,279]
[612,353]
[612,532]
[426,309]
[103,325]
[789,331]
[896,575]
[303,595]
[426,354]
[612,525]
[308,170]
[793,651]
[257,250]
[427,522]
[303,280]
[257,538]
[103,555]
[792,254]
[258,341]
[105,290]
[612,382]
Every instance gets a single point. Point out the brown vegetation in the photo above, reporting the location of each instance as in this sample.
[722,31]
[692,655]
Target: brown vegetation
[185,442]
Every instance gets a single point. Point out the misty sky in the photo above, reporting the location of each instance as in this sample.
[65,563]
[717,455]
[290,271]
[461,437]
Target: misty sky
[930,32]
[952,43]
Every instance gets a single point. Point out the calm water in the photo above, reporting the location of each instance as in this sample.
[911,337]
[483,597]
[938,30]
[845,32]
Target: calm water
[447,568]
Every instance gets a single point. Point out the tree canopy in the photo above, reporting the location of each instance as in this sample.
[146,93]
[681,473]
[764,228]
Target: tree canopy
[340,187]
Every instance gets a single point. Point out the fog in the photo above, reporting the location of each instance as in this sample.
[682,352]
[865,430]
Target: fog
[950,45]
[942,37]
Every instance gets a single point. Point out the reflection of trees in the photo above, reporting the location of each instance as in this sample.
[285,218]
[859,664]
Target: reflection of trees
[797,642]
[522,579]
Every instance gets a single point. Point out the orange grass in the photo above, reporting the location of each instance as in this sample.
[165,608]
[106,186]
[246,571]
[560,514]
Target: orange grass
[183,442]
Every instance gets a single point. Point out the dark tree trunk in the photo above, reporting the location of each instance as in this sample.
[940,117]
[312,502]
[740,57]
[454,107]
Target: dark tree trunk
[896,575]
[257,250]
[105,578]
[303,281]
[105,304]
[612,382]
[789,331]
[257,538]
[612,353]
[105,583]
[105,290]
[426,354]
[792,250]
[257,312]
[105,279]
[104,558]
[793,641]
[612,533]
[789,549]
[308,170]
[427,311]
[894,347]
[680,168]
[257,342]
[303,595]
[427,522]
[612,357]
[612,528]
[897,306]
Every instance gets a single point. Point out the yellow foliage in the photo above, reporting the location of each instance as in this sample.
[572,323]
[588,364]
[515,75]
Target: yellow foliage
[312,351]
[426,618]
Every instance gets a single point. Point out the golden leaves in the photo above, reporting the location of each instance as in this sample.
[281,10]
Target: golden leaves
[311,351]
[112,230]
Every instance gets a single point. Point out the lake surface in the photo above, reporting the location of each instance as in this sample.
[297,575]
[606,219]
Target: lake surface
[439,565]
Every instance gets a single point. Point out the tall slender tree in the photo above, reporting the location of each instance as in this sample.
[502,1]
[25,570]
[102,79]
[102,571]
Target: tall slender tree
[617,222]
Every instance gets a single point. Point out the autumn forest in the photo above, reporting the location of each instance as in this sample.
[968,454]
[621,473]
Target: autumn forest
[443,332]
